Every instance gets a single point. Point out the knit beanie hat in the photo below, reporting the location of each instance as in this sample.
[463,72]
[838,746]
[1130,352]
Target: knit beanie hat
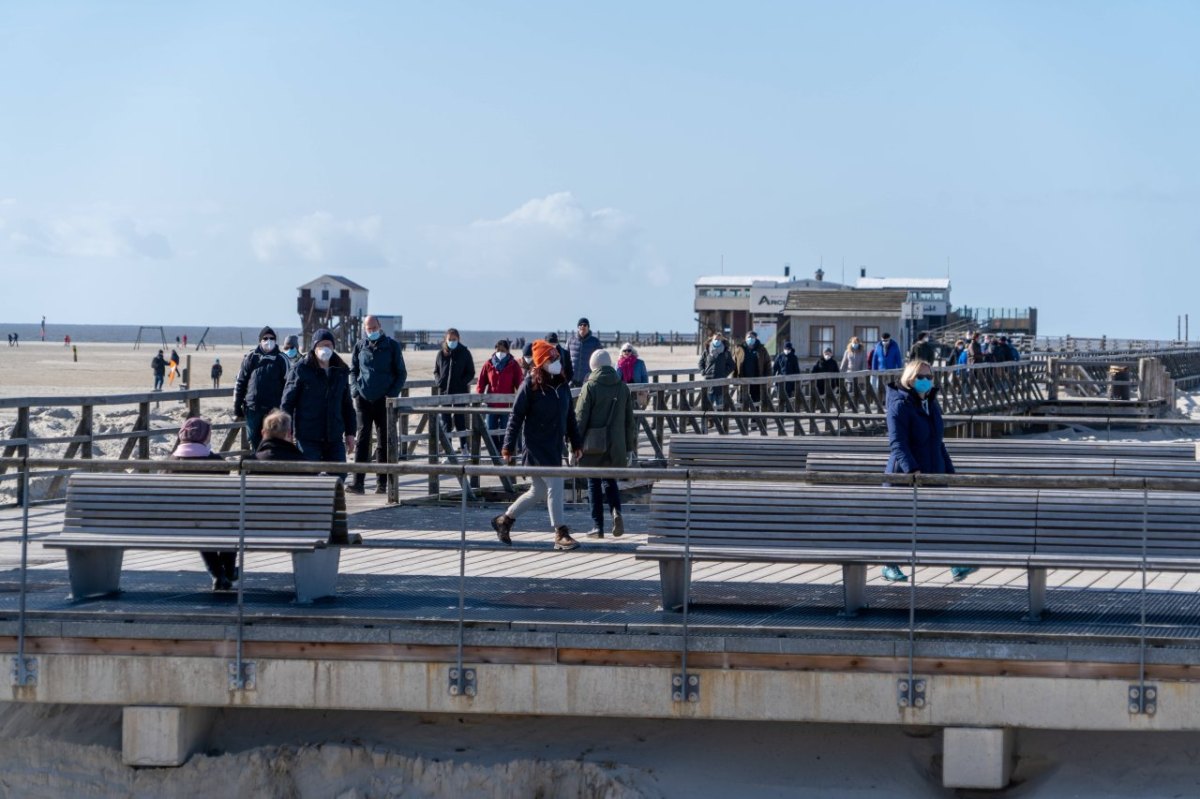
[291,341]
[542,350]
[266,331]
[195,431]
[599,358]
[322,335]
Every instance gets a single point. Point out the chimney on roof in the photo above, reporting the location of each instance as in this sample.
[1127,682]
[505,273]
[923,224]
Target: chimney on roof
[862,271]
[820,274]
[787,270]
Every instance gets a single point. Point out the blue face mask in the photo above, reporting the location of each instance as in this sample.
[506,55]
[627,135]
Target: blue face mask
[291,353]
[452,343]
[923,385]
[374,335]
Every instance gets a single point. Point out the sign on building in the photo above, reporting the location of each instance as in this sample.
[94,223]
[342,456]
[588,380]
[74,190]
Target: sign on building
[912,311]
[768,300]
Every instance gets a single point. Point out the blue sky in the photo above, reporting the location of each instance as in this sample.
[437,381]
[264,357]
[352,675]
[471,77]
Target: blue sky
[497,165]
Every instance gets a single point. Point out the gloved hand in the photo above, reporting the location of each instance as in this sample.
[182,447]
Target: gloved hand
[239,411]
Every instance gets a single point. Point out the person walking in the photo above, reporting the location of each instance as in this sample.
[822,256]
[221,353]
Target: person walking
[542,412]
[377,373]
[453,371]
[278,441]
[581,345]
[750,359]
[258,389]
[501,374]
[886,355]
[826,364]
[604,417]
[216,372]
[159,366]
[317,397]
[854,359]
[786,363]
[194,443]
[291,349]
[975,350]
[916,438]
[716,363]
[921,350]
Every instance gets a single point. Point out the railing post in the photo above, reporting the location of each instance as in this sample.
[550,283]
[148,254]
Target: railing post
[85,426]
[239,666]
[432,422]
[23,673]
[392,455]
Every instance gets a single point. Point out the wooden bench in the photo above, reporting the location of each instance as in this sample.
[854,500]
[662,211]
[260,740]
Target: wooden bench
[791,452]
[859,526]
[872,463]
[107,514]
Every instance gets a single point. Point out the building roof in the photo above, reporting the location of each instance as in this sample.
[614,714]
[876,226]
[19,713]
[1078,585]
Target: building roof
[347,282]
[740,281]
[903,283]
[849,302]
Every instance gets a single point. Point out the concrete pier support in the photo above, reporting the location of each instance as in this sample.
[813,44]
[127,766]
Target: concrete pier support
[979,758]
[162,736]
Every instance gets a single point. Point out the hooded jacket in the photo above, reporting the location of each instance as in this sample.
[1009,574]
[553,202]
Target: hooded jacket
[453,369]
[377,369]
[546,419]
[319,400]
[605,399]
[581,350]
[915,431]
[504,379]
[716,366]
[886,357]
[260,381]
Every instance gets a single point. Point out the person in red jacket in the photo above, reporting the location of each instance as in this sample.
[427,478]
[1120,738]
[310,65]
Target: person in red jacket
[500,375]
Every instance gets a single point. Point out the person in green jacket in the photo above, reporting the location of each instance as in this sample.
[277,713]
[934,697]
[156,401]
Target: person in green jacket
[605,403]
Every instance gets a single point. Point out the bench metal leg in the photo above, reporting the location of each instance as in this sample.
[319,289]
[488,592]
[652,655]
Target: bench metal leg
[854,588]
[94,572]
[316,573]
[1037,594]
[675,576]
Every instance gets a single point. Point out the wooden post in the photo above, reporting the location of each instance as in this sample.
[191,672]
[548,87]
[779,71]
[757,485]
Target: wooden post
[143,442]
[391,452]
[477,422]
[434,480]
[85,426]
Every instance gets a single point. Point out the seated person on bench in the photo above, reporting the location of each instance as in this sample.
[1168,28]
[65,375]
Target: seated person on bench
[194,438]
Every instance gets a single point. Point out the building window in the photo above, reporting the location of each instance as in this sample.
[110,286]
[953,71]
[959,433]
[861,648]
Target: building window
[869,336]
[324,294]
[819,337]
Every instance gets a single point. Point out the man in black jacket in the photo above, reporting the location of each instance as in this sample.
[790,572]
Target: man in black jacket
[317,396]
[278,443]
[259,386]
[453,371]
[377,372]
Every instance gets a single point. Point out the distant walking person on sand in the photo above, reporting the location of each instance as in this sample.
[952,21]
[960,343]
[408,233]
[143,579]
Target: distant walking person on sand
[194,444]
[377,373]
[915,437]
[542,411]
[604,417]
[786,363]
[317,397]
[750,359]
[716,363]
[216,372]
[581,345]
[453,371]
[185,341]
[159,366]
[291,349]
[16,339]
[258,389]
[501,374]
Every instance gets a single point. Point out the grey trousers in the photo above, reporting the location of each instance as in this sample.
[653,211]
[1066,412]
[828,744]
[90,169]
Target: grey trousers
[547,488]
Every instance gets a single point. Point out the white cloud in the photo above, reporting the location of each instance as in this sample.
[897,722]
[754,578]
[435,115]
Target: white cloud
[95,235]
[552,235]
[319,238]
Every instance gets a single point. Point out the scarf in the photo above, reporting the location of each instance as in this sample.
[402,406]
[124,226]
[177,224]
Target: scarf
[625,365]
[190,449]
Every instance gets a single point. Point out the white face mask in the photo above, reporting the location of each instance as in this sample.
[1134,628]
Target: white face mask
[554,367]
[324,354]
[267,344]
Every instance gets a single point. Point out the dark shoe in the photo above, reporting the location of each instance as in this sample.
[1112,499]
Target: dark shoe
[381,488]
[222,584]
[502,524]
[355,488]
[563,541]
[596,532]
[618,524]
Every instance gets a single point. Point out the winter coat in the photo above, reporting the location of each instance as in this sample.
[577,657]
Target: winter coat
[453,370]
[888,357]
[955,355]
[915,433]
[278,449]
[854,361]
[974,352]
[504,379]
[545,417]
[921,351]
[786,364]
[319,400]
[605,398]
[159,365]
[217,371]
[581,356]
[260,381]
[823,366]
[718,366]
[640,373]
[377,369]
[751,361]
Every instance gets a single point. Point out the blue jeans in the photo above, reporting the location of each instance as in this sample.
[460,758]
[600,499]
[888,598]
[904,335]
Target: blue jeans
[158,380]
[254,422]
[333,451]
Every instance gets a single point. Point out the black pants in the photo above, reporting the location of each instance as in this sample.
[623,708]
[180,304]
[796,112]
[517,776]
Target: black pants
[220,564]
[453,422]
[372,416]
[599,491]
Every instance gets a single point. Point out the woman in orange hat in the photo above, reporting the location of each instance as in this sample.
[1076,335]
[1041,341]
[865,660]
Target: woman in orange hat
[542,410]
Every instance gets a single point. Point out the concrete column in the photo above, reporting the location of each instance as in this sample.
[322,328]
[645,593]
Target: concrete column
[162,736]
[979,758]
